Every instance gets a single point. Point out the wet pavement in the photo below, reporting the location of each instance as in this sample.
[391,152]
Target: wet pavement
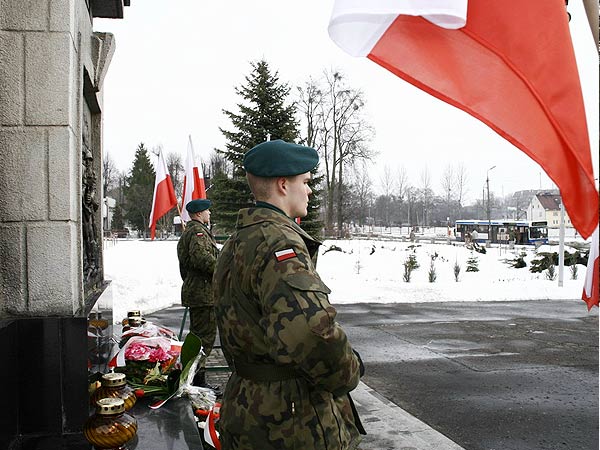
[469,375]
[489,376]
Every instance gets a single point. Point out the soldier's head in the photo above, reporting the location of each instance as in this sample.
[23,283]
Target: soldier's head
[198,210]
[278,172]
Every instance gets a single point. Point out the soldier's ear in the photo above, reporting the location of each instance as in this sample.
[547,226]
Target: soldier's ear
[281,184]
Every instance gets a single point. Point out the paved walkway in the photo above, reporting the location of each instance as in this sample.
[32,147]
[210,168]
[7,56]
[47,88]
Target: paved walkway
[388,426]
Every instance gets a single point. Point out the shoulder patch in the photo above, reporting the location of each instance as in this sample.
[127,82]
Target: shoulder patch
[282,255]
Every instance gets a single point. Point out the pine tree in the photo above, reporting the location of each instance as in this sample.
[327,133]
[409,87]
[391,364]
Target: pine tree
[117,219]
[225,197]
[312,223]
[472,264]
[139,190]
[262,113]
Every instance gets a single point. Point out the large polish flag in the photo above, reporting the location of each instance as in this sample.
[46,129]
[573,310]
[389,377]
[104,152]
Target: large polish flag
[164,195]
[508,63]
[193,181]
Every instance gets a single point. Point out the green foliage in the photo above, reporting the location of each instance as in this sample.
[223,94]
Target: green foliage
[409,265]
[407,271]
[573,267]
[228,195]
[312,223]
[139,190]
[574,270]
[472,264]
[432,274]
[518,263]
[551,272]
[190,349]
[263,112]
[117,220]
[412,261]
[544,260]
[456,270]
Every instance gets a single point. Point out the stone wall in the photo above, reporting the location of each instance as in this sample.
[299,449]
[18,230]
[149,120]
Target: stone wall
[48,52]
[52,65]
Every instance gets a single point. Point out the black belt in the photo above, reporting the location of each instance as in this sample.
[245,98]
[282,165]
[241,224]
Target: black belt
[265,372]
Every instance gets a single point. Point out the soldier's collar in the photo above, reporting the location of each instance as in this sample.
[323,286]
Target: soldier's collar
[261,204]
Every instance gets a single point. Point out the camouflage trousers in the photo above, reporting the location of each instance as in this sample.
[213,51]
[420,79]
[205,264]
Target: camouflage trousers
[204,325]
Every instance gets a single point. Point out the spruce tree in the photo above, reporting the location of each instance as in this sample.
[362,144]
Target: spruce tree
[262,113]
[117,219]
[139,190]
[472,264]
[312,223]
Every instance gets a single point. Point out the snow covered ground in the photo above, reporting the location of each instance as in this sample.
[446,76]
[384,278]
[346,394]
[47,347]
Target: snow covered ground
[145,274]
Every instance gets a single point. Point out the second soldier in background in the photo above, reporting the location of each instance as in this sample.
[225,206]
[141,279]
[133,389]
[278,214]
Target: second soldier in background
[197,252]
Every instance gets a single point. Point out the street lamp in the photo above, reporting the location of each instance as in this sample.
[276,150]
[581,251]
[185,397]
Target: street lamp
[489,210]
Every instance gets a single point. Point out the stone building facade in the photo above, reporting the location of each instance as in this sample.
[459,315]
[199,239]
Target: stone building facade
[52,66]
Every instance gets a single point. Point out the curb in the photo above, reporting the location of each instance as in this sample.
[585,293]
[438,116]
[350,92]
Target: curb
[389,427]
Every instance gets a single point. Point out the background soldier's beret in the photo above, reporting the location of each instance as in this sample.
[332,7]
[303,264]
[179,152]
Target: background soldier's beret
[197,205]
[280,159]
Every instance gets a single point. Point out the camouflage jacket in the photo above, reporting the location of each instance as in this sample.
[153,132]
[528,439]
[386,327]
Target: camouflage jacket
[272,310]
[197,252]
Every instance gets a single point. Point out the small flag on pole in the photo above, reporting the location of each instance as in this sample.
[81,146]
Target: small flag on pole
[164,195]
[193,181]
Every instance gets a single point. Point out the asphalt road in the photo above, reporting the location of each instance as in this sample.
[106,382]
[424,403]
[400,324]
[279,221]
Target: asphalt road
[488,375]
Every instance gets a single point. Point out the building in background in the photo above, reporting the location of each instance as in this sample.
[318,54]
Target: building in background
[545,206]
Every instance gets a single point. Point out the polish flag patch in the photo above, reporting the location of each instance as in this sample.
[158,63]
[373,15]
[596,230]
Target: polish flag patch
[199,234]
[282,255]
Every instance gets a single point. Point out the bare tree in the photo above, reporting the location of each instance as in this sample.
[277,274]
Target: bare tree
[387,185]
[426,194]
[309,104]
[460,186]
[335,126]
[386,181]
[109,174]
[175,168]
[363,190]
[411,195]
[448,181]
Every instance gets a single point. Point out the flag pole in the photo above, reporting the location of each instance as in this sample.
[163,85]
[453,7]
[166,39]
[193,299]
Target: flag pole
[182,221]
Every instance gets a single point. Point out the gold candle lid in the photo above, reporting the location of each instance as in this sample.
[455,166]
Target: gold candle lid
[111,405]
[113,379]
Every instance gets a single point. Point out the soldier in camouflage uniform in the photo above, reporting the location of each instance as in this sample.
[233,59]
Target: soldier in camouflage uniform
[197,252]
[293,367]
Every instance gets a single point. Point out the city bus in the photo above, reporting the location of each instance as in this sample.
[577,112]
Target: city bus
[503,231]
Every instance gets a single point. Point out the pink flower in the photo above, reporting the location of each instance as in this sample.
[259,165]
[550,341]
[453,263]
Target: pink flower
[158,354]
[137,352]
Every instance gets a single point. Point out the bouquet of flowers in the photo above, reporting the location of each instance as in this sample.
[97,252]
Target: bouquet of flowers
[150,364]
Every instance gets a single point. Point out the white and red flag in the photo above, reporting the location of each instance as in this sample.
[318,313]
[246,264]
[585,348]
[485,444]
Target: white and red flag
[508,63]
[164,195]
[193,181]
[211,435]
[592,280]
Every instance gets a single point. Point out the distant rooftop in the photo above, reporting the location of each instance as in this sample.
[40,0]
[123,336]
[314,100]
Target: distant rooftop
[550,202]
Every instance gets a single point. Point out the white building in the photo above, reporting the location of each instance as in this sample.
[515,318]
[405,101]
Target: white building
[546,207]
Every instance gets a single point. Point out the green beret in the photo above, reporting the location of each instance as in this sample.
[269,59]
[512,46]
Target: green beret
[197,205]
[280,159]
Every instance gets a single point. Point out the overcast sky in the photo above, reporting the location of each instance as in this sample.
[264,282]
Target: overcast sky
[176,65]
